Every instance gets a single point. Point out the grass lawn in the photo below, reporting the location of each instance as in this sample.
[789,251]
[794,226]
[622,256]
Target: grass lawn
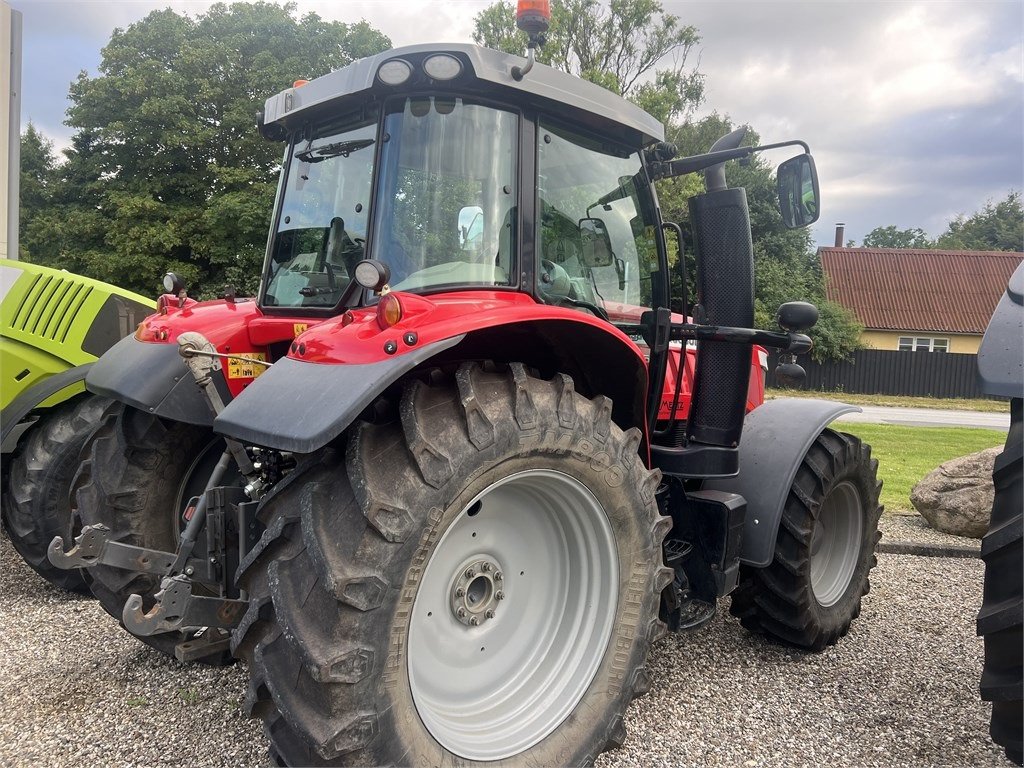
[961,404]
[906,454]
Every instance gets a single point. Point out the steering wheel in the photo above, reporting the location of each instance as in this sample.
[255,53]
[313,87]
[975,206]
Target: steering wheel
[560,288]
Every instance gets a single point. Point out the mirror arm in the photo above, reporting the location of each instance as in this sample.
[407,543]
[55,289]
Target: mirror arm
[696,163]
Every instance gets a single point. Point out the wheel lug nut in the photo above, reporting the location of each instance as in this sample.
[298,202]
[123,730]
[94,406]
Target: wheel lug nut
[486,567]
[460,592]
[461,613]
[474,621]
[470,573]
[498,576]
[489,614]
[499,595]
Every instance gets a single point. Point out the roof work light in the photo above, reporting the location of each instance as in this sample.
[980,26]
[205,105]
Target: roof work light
[533,16]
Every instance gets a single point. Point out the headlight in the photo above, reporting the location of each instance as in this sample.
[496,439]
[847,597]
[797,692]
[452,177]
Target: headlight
[442,67]
[394,72]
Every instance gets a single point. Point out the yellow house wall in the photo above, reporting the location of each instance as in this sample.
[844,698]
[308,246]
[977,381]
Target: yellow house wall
[960,344]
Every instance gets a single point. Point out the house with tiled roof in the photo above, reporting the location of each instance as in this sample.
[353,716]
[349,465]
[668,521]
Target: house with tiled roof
[918,300]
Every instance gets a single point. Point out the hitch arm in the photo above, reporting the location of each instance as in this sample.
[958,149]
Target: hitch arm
[176,608]
[94,547]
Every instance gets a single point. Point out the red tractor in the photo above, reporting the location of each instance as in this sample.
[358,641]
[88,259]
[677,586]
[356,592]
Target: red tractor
[450,475]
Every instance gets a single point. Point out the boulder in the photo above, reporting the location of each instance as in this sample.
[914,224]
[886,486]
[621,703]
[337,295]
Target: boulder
[956,497]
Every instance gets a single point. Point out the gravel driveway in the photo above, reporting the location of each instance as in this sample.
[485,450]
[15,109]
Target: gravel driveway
[901,689]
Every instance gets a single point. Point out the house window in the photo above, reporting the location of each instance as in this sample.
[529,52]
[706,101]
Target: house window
[923,344]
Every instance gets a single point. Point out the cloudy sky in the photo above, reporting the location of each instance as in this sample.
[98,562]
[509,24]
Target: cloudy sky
[914,110]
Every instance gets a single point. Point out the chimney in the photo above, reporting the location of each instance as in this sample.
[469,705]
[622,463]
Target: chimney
[840,231]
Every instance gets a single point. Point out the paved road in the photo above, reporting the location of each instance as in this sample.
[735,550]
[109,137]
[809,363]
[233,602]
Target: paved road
[930,417]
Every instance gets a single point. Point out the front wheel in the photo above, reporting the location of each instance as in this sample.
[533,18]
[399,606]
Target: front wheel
[810,593]
[477,581]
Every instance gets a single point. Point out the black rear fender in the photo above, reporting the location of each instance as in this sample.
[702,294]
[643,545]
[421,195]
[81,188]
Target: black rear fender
[152,378]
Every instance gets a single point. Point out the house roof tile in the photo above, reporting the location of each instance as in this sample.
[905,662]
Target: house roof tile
[918,290]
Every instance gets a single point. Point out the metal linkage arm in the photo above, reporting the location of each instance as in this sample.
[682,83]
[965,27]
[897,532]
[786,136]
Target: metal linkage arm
[176,608]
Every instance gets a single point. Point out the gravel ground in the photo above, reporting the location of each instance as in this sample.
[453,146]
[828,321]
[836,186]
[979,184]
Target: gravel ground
[901,689]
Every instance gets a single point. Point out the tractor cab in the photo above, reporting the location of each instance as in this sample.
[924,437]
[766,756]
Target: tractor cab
[435,162]
[464,177]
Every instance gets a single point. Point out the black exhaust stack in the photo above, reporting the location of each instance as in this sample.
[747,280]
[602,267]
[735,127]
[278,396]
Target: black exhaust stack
[725,282]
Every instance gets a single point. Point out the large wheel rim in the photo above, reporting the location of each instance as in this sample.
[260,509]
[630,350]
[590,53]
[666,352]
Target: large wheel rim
[835,545]
[513,615]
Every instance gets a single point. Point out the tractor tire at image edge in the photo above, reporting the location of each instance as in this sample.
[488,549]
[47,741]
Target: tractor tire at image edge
[477,580]
[1002,610]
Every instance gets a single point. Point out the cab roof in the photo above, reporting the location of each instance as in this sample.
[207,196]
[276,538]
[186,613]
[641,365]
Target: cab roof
[486,73]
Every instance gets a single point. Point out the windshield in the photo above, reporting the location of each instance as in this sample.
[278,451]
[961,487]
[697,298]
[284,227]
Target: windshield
[446,212]
[597,237]
[321,231]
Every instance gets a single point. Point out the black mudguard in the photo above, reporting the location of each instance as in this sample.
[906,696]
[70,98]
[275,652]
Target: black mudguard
[776,436]
[301,407]
[1001,356]
[22,405]
[152,378]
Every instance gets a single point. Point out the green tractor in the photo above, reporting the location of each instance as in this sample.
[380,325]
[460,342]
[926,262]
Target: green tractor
[53,325]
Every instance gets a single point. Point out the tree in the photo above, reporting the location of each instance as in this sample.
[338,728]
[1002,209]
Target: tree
[996,227]
[891,237]
[167,170]
[786,267]
[39,178]
[631,47]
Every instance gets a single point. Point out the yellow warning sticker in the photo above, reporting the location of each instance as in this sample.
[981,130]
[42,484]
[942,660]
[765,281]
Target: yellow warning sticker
[246,369]
[298,328]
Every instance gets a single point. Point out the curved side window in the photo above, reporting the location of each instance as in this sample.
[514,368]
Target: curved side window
[321,232]
[597,238]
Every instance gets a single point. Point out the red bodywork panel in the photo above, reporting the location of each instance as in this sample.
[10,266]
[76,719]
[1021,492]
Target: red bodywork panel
[232,327]
[359,338]
[356,337]
[755,389]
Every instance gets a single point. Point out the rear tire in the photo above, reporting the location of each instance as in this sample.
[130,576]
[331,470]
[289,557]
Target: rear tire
[137,469]
[811,591]
[37,493]
[356,649]
[1000,619]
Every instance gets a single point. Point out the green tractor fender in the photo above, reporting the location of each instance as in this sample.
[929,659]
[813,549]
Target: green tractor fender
[53,325]
[50,391]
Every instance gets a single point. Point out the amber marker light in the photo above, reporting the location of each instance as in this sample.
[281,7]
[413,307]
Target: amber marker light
[389,311]
[299,83]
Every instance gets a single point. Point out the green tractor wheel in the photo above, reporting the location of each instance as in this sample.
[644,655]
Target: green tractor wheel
[36,499]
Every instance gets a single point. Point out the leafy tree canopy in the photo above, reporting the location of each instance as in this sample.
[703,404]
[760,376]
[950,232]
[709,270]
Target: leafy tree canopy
[893,237]
[167,170]
[631,47]
[38,179]
[996,227]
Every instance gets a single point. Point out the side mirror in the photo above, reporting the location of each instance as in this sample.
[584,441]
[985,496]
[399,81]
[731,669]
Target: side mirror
[798,192]
[596,243]
[471,225]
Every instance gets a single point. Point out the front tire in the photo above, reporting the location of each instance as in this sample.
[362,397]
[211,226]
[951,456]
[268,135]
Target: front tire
[138,473]
[810,593]
[376,634]
[37,494]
